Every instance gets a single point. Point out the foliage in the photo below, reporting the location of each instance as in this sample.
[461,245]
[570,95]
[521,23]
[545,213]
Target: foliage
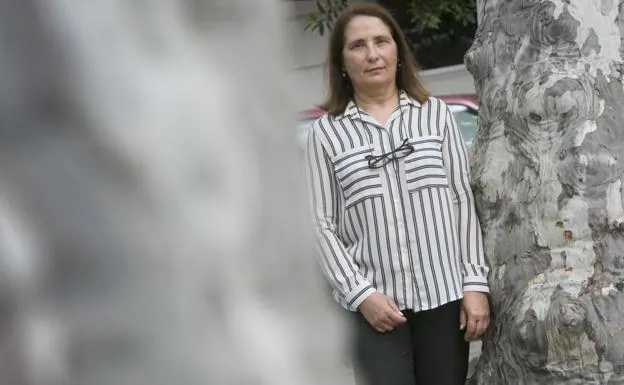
[428,14]
[423,14]
[323,19]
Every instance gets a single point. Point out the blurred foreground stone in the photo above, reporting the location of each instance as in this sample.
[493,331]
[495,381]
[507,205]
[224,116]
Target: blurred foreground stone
[150,213]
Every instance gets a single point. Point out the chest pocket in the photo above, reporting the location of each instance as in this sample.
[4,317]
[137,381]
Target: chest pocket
[356,179]
[424,168]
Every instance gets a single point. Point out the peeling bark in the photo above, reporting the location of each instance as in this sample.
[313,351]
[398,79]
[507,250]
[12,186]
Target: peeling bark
[547,164]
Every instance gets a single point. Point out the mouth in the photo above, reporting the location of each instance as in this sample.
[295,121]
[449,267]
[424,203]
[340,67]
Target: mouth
[375,69]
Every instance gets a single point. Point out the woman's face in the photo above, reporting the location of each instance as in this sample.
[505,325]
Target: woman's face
[369,53]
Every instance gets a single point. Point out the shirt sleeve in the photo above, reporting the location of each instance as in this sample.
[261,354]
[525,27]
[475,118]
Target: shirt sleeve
[337,265]
[474,267]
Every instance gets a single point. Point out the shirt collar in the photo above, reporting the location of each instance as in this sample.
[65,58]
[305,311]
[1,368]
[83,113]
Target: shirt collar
[404,100]
[350,111]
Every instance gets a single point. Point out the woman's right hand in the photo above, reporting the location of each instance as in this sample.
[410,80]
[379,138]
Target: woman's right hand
[381,312]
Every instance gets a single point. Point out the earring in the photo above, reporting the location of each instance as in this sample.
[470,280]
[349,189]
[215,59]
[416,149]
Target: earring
[344,74]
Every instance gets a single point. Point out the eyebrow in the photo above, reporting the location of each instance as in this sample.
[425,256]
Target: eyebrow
[377,37]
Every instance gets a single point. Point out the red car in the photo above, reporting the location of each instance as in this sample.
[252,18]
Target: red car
[464,107]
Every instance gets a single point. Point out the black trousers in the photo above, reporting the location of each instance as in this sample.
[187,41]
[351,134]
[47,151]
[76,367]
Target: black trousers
[428,349]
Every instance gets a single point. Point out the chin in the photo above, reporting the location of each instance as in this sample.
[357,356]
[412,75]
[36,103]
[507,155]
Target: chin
[379,81]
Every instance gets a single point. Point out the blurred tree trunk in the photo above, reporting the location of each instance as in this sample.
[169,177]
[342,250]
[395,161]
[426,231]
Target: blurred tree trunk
[547,164]
[150,212]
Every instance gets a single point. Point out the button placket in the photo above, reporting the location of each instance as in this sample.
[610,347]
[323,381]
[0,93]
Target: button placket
[395,181]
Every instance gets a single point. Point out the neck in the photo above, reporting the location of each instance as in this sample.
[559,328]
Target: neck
[384,97]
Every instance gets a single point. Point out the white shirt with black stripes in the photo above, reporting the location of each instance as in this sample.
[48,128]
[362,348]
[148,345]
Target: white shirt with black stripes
[407,228]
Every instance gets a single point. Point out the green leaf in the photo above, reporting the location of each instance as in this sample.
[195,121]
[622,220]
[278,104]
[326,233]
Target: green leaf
[320,7]
[443,8]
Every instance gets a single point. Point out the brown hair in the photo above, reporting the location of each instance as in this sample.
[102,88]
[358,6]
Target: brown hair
[340,89]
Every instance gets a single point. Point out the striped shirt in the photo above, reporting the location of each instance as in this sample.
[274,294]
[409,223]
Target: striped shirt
[407,229]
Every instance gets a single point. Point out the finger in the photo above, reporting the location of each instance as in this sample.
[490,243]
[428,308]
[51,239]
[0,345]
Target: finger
[471,328]
[395,317]
[480,330]
[462,319]
[377,324]
[394,307]
[391,319]
[482,326]
[384,327]
[384,322]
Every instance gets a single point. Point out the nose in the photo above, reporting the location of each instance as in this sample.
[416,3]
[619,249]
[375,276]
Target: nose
[372,54]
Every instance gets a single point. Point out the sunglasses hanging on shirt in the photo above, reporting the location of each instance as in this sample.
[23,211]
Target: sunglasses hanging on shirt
[398,153]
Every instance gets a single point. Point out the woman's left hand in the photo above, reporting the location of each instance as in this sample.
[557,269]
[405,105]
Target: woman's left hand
[474,316]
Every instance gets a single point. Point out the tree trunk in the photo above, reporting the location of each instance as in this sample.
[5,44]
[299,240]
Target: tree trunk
[547,167]
[149,204]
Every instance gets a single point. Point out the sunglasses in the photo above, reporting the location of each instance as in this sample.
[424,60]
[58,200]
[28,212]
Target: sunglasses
[398,153]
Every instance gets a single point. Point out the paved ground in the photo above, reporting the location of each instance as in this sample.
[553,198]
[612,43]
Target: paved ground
[475,350]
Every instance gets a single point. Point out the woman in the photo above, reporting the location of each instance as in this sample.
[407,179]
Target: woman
[400,242]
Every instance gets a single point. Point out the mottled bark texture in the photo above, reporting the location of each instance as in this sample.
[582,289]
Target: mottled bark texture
[150,227]
[548,165]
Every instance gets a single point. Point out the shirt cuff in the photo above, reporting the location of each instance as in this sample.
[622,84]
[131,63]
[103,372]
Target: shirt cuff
[475,283]
[358,295]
